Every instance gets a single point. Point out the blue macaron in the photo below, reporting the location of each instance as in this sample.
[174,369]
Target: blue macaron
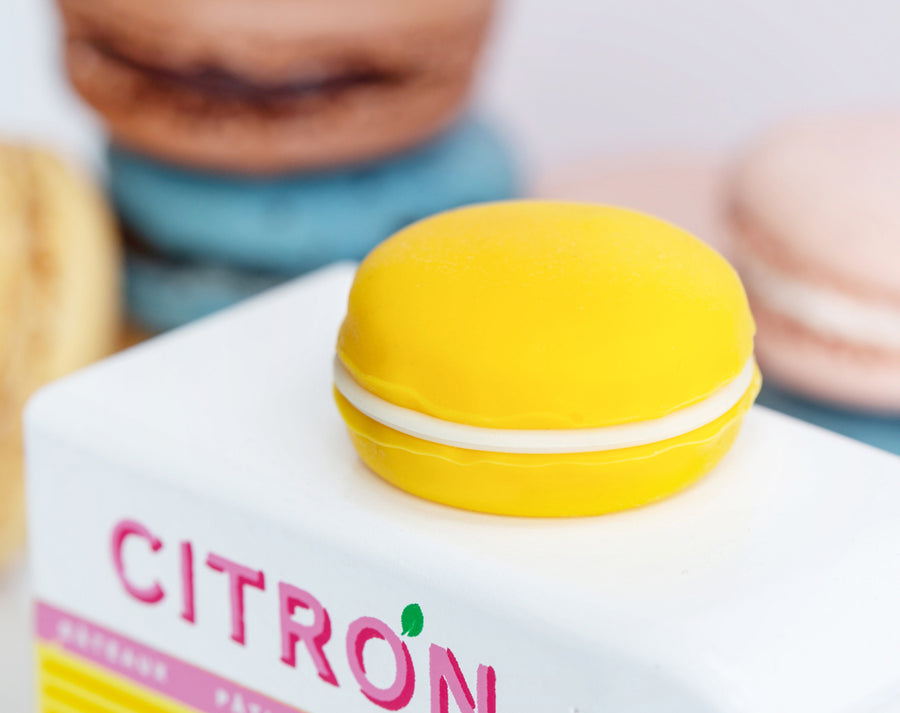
[163,294]
[295,223]
[881,432]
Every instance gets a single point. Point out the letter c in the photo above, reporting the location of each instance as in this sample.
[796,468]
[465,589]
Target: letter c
[126,528]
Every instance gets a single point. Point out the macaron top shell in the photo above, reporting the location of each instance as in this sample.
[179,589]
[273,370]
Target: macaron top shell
[818,198]
[545,315]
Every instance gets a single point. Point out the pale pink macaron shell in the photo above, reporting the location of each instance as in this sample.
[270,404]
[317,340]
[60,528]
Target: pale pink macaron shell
[817,201]
[683,188]
[820,197]
[827,370]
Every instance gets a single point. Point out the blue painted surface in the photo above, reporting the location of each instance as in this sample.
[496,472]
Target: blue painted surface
[881,432]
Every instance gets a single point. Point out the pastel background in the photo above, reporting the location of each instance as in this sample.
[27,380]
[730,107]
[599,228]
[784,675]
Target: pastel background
[568,78]
[574,75]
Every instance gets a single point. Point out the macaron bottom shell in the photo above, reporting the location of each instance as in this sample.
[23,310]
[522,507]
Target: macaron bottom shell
[826,369]
[544,485]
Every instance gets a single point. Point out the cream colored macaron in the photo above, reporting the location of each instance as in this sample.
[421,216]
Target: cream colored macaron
[544,359]
[59,297]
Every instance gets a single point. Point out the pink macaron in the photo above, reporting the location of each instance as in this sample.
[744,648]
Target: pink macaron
[681,187]
[815,220]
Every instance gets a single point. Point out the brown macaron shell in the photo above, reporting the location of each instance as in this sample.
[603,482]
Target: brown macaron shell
[278,85]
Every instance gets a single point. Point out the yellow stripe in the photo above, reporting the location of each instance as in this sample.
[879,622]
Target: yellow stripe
[48,706]
[70,685]
[75,700]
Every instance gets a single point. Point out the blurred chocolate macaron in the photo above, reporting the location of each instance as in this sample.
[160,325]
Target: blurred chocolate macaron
[277,85]
[59,297]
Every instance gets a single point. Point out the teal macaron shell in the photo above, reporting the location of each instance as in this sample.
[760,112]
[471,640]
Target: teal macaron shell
[879,431]
[162,294]
[291,224]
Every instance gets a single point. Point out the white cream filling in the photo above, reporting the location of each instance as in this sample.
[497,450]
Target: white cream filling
[820,309]
[572,440]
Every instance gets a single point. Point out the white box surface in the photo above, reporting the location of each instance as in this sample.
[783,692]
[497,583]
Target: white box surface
[772,586]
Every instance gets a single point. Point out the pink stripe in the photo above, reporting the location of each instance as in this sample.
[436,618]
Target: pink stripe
[147,667]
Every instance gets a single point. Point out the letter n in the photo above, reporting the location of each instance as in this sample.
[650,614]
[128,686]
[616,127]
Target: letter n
[447,681]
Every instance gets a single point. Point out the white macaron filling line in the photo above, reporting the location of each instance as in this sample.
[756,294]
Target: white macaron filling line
[822,310]
[573,440]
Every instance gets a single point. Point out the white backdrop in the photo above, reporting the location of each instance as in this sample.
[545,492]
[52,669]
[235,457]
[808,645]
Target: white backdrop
[621,75]
[576,76]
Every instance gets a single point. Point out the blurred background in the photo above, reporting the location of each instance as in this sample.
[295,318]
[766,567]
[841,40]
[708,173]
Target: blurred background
[578,76]
[638,102]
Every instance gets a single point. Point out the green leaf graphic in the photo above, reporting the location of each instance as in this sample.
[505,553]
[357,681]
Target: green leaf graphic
[412,620]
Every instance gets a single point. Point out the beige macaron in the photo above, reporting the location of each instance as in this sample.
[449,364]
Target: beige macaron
[59,297]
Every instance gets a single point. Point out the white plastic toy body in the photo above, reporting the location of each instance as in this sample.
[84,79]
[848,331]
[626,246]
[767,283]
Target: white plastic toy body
[205,539]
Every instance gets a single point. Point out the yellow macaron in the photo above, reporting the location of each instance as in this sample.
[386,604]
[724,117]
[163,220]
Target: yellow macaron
[59,297]
[544,359]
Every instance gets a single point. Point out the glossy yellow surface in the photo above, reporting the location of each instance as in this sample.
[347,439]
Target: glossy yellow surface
[545,315]
[552,485]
